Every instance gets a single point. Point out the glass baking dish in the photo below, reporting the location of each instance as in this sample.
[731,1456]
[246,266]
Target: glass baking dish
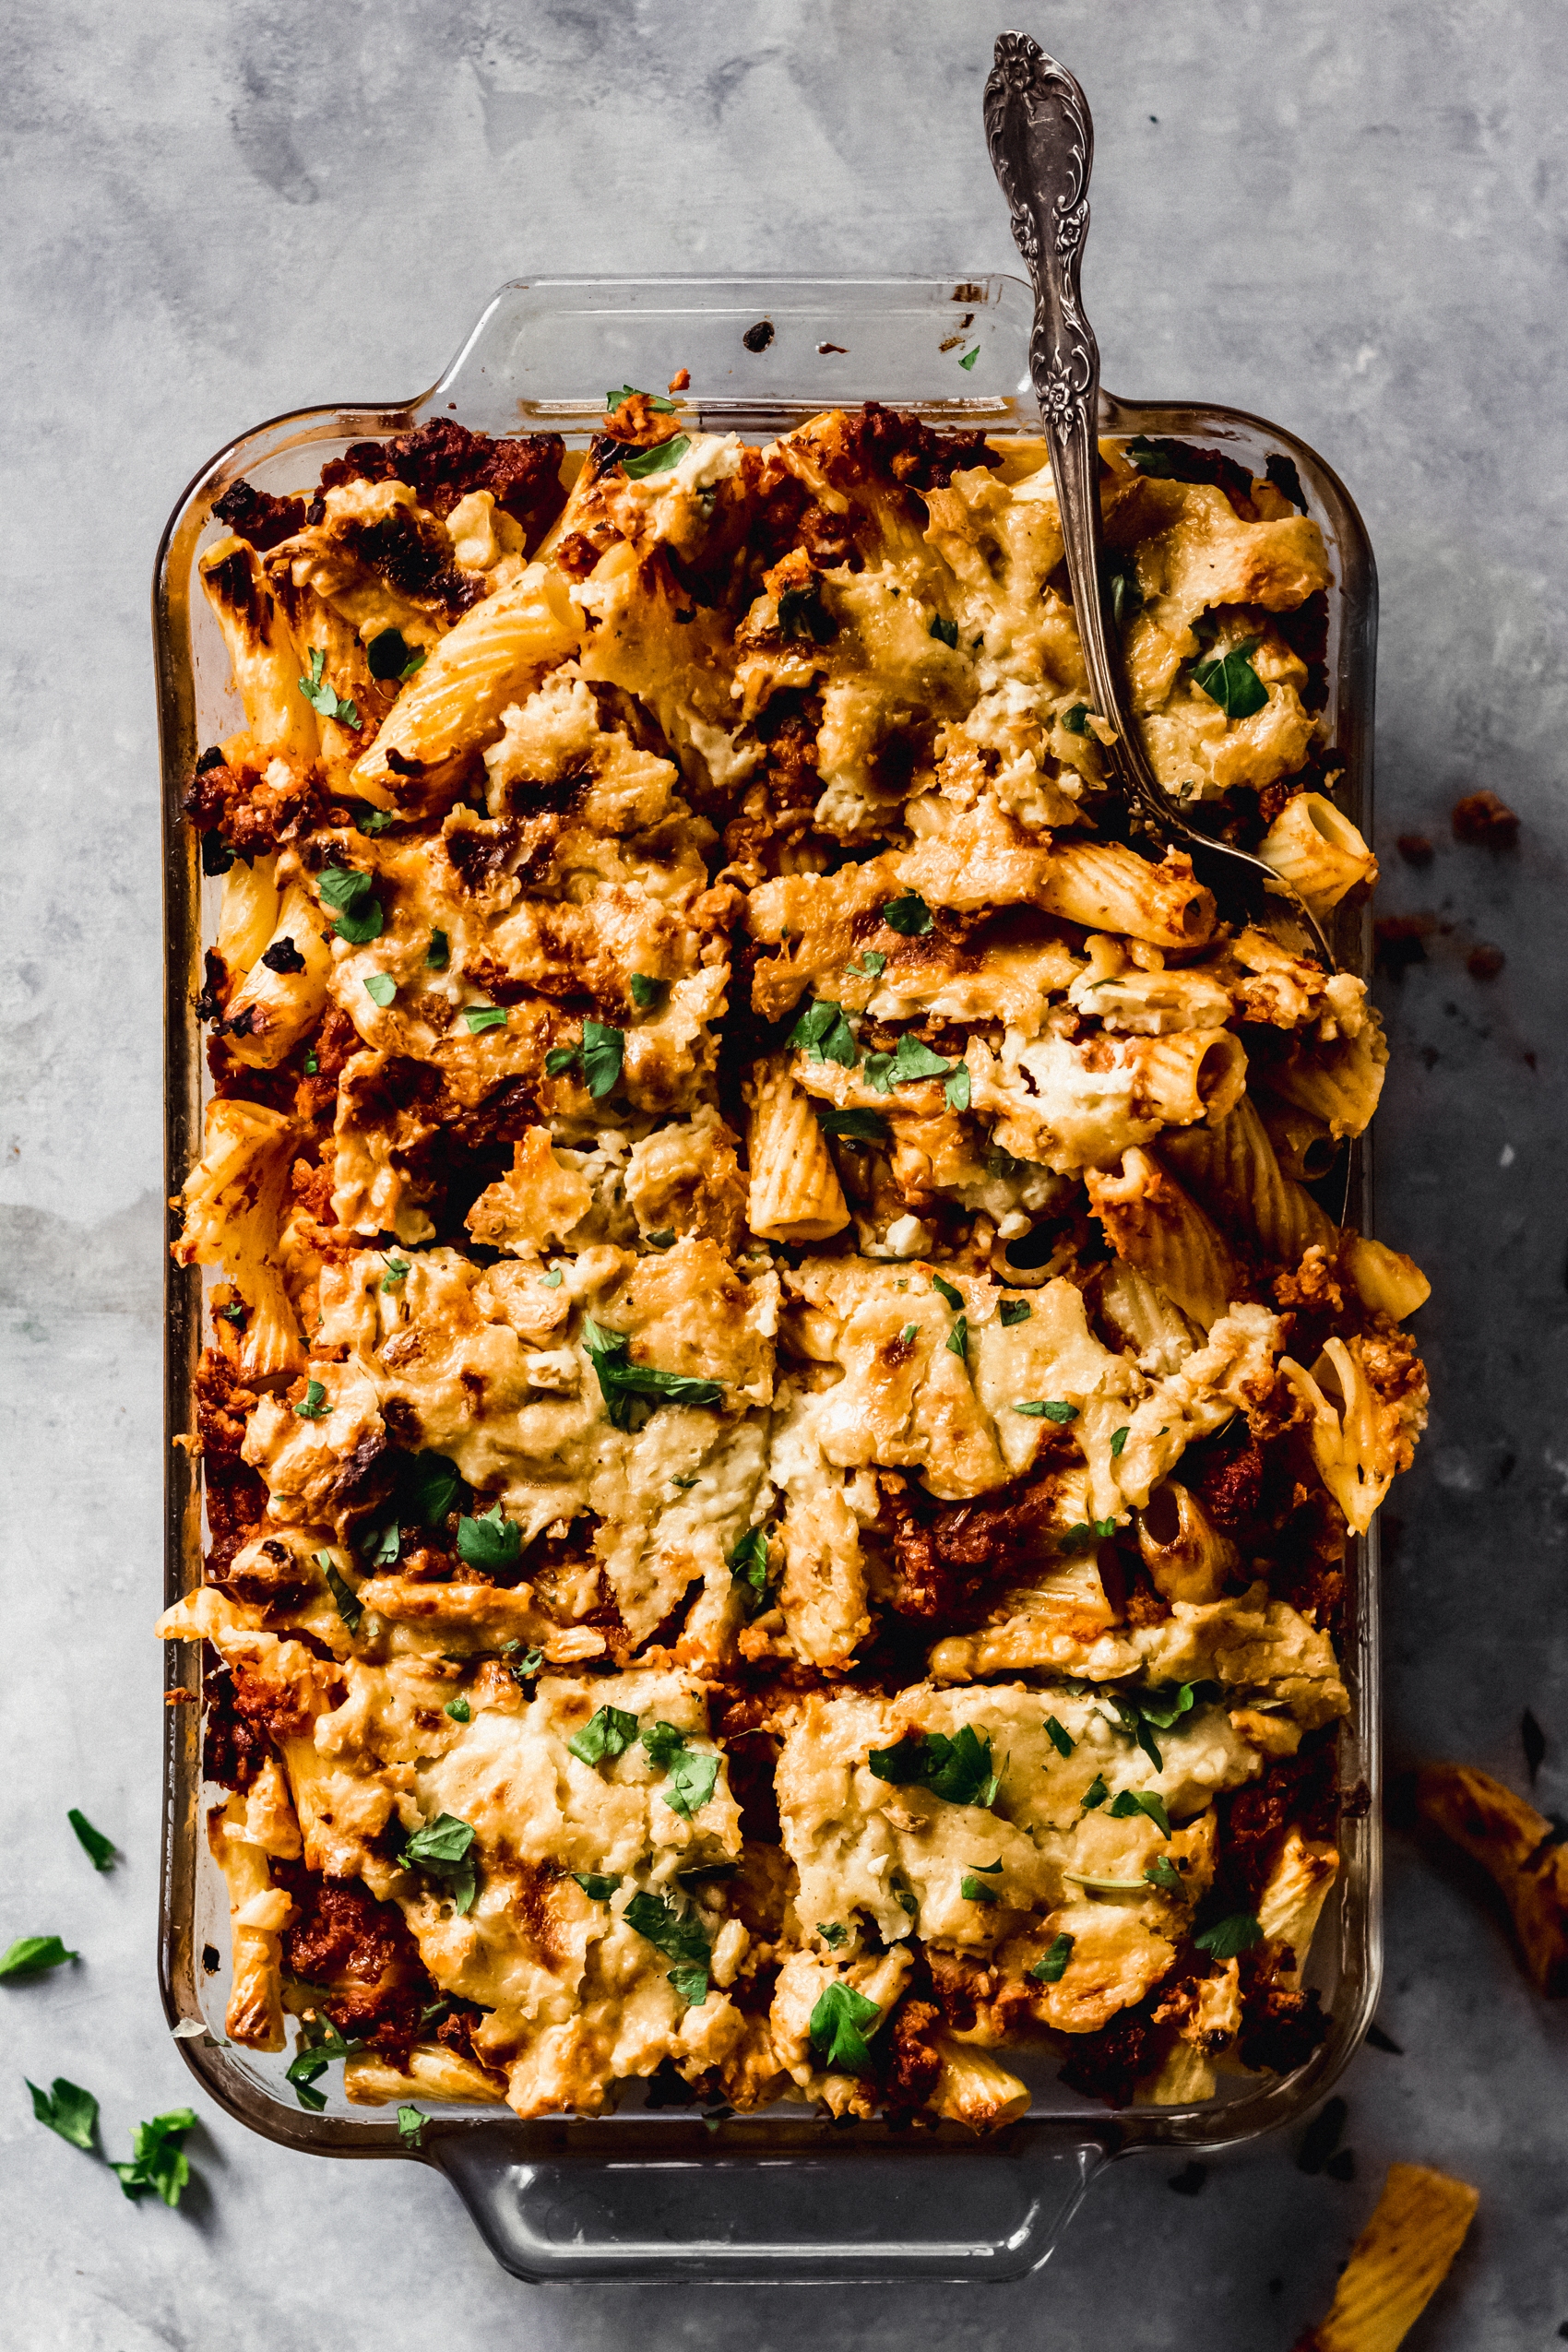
[647,2195]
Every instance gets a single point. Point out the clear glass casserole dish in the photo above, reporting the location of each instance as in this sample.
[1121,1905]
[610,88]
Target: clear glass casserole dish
[644,2194]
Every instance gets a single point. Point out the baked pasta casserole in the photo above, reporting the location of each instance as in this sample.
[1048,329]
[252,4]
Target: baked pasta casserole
[782,1420]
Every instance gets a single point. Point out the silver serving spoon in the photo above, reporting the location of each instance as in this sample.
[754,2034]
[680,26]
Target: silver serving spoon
[1041,136]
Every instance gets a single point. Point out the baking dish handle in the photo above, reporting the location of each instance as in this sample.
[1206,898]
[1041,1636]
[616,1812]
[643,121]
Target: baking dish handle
[967,2215]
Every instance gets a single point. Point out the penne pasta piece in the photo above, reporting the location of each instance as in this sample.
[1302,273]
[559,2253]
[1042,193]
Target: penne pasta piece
[976,2089]
[258,1912]
[1397,2264]
[795,1192]
[1230,1166]
[236,1200]
[1339,1083]
[265,659]
[1385,1279]
[1187,1558]
[1294,1894]
[1187,2078]
[1302,1144]
[275,1004]
[249,914]
[1354,1459]
[1519,1849]
[1106,887]
[433,2071]
[1158,1228]
[1317,849]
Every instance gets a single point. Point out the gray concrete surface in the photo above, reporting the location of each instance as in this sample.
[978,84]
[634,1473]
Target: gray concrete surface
[1347,214]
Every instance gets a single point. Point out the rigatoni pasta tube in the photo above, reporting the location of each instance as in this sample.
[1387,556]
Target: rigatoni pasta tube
[1339,1083]
[1149,1221]
[1106,887]
[281,1003]
[1232,1168]
[261,649]
[976,2089]
[248,917]
[795,1192]
[234,1200]
[1317,849]
[1397,2264]
[258,1912]
[433,2072]
[453,705]
[1186,1556]
[1302,1144]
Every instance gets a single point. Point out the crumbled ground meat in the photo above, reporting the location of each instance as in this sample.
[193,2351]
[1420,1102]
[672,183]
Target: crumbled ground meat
[235,1744]
[949,1556]
[443,461]
[1300,1789]
[361,1955]
[252,813]
[909,2050]
[256,515]
[1110,2065]
[1484,822]
[1281,2025]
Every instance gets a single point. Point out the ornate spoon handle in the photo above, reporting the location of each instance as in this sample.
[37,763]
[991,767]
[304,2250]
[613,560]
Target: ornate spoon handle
[1041,136]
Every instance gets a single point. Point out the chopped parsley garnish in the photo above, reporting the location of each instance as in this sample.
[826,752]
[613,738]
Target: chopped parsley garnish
[313,1064]
[945,1291]
[1162,1872]
[832,1933]
[560,1058]
[381,988]
[320,2043]
[596,1884]
[552,1280]
[748,1565]
[68,2109]
[958,1769]
[1060,1737]
[1118,1440]
[1122,578]
[693,1775]
[1129,1802]
[98,1849]
[351,896]
[664,1239]
[438,954]
[908,1332]
[946,630]
[911,1062]
[522,1669]
[1052,1965]
[909,916]
[1095,1794]
[853,1126]
[956,1087]
[1139,1710]
[235,1312]
[656,400]
[1231,682]
[158,2158]
[323,698]
[396,1272]
[645,991]
[440,1848]
[1013,1310]
[600,1055]
[970,358]
[870,967]
[479,1018]
[837,2028]
[975,1890]
[640,463]
[1228,1937]
[459,1710]
[391,656]
[490,1541]
[1085,1532]
[823,1034]
[347,1601]
[959,1338]
[604,1736]
[314,1407]
[680,1936]
[410,2125]
[632,1392]
[371,821]
[31,1954]
[378,1546]
[1076,720]
[803,616]
[432,1485]
[1048,1409]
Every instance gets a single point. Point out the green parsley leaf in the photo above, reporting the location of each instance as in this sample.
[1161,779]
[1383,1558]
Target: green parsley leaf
[832,1933]
[410,2125]
[1163,1873]
[390,656]
[1095,1794]
[158,2159]
[661,1741]
[823,1034]
[1049,1409]
[693,1778]
[1132,1721]
[970,358]
[480,1017]
[552,1280]
[684,1482]
[805,616]
[631,1392]
[432,1484]
[596,1884]
[522,1669]
[1226,1938]
[640,463]
[1118,1440]
[490,1542]
[1076,720]
[975,1890]
[837,2028]
[348,1605]
[1012,1311]
[852,1126]
[381,988]
[946,630]
[603,1051]
[1060,1737]
[908,1332]
[909,915]
[945,1291]
[314,1407]
[958,1769]
[656,400]
[870,967]
[912,1061]
[1051,1967]
[956,1087]
[440,1848]
[31,1954]
[396,1272]
[645,991]
[459,1710]
[68,2109]
[320,2043]
[371,822]
[959,1338]
[680,1936]
[323,698]
[312,1064]
[748,1565]
[98,1849]
[607,1735]
[378,1545]
[663,1240]
[1129,1802]
[351,896]
[235,1312]
[1085,1532]
[438,954]
[1231,682]
[1122,578]
[560,1058]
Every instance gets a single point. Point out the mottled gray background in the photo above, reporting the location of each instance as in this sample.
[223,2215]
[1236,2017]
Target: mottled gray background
[1349,217]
